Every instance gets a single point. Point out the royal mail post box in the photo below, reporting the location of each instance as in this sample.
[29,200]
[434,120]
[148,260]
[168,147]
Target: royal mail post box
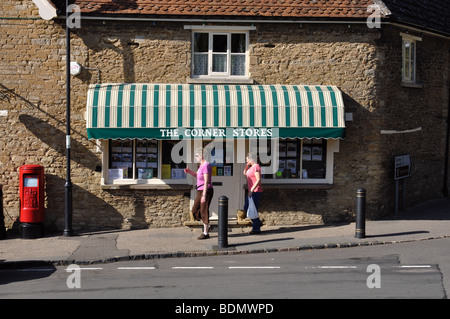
[31,188]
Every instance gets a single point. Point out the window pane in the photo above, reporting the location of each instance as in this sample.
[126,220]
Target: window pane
[219,63]
[170,169]
[238,64]
[201,42]
[146,159]
[407,50]
[120,159]
[407,70]
[200,64]
[238,43]
[314,158]
[220,43]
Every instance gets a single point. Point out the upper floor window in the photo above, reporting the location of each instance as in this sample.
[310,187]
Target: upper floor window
[219,54]
[409,58]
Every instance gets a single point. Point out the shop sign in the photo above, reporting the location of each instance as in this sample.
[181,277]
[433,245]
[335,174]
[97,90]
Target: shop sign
[188,133]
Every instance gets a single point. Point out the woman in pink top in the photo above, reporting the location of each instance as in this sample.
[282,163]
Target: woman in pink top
[253,172]
[205,191]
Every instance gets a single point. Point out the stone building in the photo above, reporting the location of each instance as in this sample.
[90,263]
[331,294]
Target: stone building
[336,89]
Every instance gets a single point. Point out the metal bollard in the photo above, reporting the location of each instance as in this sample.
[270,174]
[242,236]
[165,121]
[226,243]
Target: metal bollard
[223,222]
[360,213]
[2,217]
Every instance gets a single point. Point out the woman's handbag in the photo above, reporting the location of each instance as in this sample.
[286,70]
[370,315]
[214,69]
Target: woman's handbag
[252,213]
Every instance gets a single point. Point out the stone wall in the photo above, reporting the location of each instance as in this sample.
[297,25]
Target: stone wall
[364,63]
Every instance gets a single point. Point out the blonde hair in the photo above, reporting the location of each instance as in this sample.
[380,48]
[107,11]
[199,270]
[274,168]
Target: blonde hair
[203,152]
[253,157]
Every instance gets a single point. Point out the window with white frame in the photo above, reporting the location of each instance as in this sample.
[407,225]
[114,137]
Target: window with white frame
[308,161]
[142,160]
[409,57]
[219,54]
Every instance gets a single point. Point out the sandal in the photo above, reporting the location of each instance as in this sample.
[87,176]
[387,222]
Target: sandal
[203,236]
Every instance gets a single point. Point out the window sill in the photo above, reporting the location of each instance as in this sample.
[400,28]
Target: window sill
[411,85]
[219,80]
[295,186]
[154,186]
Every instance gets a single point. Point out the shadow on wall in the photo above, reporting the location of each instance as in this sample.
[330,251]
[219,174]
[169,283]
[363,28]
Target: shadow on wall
[89,211]
[56,139]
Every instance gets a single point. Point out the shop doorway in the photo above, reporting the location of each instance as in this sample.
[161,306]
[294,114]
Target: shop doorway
[227,177]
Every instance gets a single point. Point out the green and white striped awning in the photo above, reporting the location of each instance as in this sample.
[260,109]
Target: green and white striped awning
[167,111]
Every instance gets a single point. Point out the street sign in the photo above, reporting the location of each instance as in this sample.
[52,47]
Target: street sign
[402,167]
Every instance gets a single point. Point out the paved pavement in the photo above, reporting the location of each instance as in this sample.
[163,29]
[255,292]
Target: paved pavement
[427,221]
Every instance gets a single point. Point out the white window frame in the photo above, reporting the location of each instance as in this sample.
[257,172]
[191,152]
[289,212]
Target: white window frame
[218,30]
[158,181]
[332,147]
[411,62]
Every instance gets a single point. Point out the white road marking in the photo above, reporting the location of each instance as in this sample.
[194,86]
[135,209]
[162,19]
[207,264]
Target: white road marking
[136,268]
[332,267]
[254,267]
[193,267]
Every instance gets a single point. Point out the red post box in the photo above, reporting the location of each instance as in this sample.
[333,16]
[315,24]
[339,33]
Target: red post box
[31,188]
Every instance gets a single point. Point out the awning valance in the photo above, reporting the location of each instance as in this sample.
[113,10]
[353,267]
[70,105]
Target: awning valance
[164,111]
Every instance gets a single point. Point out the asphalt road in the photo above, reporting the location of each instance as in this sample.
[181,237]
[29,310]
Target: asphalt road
[409,270]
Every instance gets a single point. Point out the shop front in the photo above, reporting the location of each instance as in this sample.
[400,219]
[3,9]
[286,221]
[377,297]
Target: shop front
[148,134]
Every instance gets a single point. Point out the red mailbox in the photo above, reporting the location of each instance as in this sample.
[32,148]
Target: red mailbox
[31,188]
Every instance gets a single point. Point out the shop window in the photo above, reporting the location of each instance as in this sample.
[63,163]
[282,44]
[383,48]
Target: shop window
[143,160]
[219,54]
[304,159]
[169,168]
[121,159]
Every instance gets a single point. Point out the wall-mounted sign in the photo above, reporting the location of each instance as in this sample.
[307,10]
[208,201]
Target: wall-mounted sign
[402,166]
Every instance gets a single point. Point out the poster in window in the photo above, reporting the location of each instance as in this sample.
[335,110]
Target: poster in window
[291,149]
[306,153]
[141,161]
[152,165]
[178,173]
[227,170]
[292,166]
[127,160]
[317,153]
[165,171]
[145,173]
[152,149]
[282,150]
[118,173]
[152,158]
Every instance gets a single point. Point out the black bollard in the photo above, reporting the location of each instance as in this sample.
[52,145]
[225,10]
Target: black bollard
[223,222]
[360,213]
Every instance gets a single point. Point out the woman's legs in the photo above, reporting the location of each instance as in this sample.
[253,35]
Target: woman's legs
[256,223]
[204,212]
